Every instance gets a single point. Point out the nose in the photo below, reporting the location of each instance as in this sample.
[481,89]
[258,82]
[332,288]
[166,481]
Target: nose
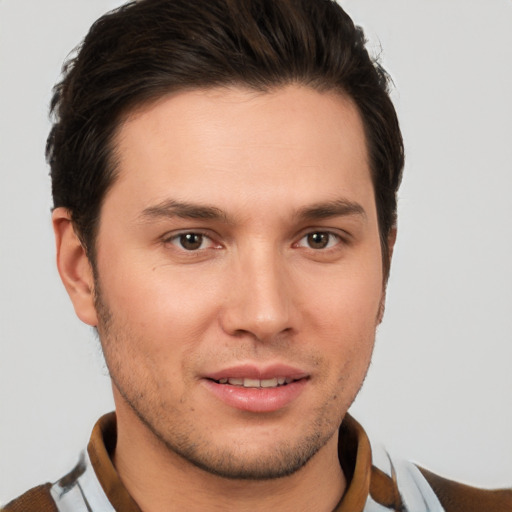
[259,298]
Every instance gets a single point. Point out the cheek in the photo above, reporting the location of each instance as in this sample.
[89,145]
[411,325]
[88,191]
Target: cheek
[346,300]
[343,320]
[159,305]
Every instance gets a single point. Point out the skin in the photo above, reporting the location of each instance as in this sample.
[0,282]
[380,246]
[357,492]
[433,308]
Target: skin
[257,287]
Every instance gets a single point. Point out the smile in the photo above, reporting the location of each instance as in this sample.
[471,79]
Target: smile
[256,390]
[256,383]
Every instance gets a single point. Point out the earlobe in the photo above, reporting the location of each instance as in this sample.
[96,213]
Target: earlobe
[74,267]
[382,308]
[391,242]
[391,245]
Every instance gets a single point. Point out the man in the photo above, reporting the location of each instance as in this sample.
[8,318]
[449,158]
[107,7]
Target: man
[224,179]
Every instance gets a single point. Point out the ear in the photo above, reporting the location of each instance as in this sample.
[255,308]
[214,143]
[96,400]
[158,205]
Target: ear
[391,246]
[74,267]
[391,242]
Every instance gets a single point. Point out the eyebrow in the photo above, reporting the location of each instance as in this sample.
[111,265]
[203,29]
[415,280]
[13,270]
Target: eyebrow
[337,208]
[172,208]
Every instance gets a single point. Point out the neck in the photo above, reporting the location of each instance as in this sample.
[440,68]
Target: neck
[160,480]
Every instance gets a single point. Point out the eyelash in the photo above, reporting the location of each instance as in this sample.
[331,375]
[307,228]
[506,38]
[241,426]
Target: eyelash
[332,237]
[179,239]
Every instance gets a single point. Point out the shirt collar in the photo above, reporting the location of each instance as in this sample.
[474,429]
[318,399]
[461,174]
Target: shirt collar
[101,446]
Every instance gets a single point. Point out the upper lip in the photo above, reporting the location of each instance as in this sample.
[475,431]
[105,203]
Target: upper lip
[252,371]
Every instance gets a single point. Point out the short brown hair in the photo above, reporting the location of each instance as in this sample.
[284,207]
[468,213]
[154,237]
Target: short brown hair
[149,48]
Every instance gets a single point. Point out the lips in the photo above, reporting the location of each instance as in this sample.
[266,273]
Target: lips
[256,389]
[249,371]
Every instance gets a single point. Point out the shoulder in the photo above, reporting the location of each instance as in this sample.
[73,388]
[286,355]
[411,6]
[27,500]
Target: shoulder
[457,497]
[44,498]
[38,499]
[401,485]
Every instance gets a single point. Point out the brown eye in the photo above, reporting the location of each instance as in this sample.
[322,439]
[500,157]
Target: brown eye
[318,240]
[191,241]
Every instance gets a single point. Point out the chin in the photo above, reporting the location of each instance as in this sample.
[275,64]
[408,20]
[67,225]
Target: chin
[243,463]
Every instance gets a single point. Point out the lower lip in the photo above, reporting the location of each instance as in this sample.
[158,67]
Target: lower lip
[256,399]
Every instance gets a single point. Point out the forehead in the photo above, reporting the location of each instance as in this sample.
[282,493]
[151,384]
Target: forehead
[204,144]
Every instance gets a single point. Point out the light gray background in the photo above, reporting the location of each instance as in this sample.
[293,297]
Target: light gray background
[439,389]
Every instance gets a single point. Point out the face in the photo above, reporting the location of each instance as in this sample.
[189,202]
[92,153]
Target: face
[239,274]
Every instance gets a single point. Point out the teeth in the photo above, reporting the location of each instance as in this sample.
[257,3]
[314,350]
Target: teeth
[252,383]
[256,383]
[268,383]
